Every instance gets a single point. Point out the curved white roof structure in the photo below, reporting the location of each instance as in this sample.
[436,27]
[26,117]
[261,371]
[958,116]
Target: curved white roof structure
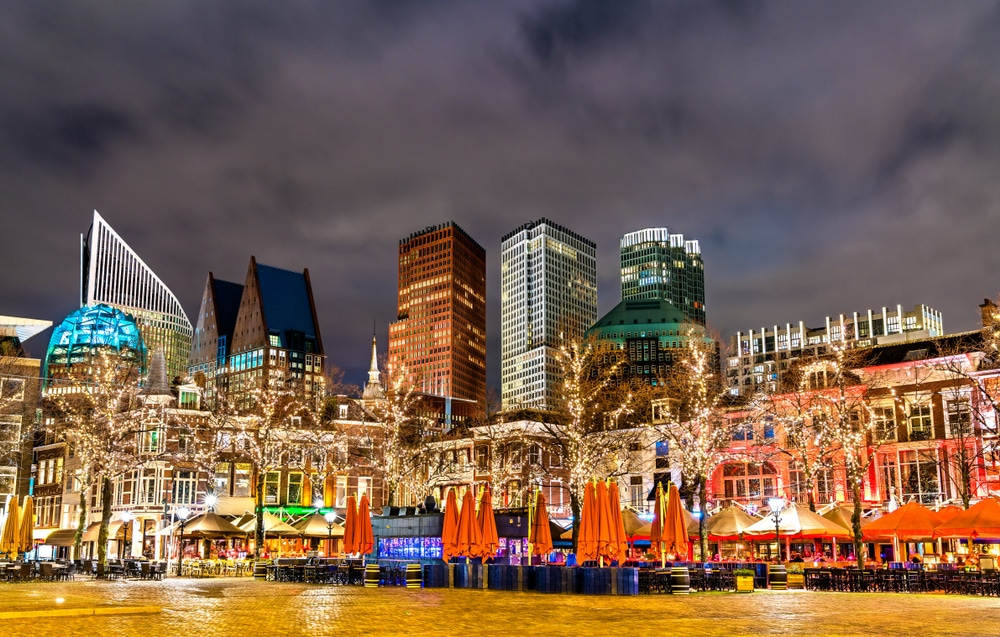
[112,273]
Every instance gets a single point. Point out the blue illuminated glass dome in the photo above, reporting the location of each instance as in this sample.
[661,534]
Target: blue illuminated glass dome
[91,328]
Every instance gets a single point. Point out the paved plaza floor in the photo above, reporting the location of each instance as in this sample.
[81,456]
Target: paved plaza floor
[193,608]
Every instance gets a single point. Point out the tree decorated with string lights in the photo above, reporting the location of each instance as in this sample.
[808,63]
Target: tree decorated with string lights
[97,410]
[792,409]
[594,426]
[264,433]
[843,415]
[691,414]
[399,450]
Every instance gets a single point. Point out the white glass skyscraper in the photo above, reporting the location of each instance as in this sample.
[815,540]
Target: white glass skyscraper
[112,273]
[549,295]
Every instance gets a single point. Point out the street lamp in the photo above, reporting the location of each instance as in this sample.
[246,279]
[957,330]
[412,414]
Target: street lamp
[126,526]
[182,514]
[210,501]
[777,504]
[330,517]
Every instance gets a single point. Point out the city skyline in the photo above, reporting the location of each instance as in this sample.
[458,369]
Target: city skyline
[824,157]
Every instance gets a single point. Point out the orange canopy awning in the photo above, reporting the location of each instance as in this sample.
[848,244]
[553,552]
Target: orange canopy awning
[586,540]
[912,521]
[981,520]
[365,537]
[619,542]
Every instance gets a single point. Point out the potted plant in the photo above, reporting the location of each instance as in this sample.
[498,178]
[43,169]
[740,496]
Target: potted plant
[744,579]
[796,575]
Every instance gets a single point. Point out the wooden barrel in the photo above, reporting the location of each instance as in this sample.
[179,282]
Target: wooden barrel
[259,570]
[680,580]
[372,575]
[413,576]
[777,577]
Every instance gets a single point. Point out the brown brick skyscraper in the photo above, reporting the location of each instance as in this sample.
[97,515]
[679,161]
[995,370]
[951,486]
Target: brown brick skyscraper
[439,337]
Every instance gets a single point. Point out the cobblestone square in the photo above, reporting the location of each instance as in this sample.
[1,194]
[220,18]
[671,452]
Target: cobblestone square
[192,607]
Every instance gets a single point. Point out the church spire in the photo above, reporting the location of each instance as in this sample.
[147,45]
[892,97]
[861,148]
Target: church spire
[373,388]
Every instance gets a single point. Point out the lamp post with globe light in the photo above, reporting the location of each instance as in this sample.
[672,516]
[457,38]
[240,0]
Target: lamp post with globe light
[126,550]
[330,517]
[182,515]
[777,504]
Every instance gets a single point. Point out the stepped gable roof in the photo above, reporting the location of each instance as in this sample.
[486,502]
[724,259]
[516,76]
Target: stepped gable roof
[641,312]
[287,300]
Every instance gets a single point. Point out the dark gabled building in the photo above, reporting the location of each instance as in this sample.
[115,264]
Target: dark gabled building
[274,328]
[213,336]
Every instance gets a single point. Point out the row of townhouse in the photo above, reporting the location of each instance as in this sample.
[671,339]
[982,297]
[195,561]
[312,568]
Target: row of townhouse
[170,474]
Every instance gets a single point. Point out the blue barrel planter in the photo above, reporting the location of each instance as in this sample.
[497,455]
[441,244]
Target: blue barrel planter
[628,581]
[436,575]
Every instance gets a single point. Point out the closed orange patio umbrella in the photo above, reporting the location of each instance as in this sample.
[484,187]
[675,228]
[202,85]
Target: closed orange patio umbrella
[619,542]
[26,541]
[449,527]
[488,524]
[981,520]
[470,537]
[656,526]
[11,537]
[365,537]
[603,512]
[586,541]
[540,534]
[351,527]
[675,535]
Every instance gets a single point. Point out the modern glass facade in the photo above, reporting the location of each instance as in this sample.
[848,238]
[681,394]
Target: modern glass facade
[88,330]
[549,295]
[658,265]
[112,273]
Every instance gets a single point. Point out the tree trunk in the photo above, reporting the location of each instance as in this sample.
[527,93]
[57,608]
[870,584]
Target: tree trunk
[812,500]
[258,535]
[702,518]
[81,526]
[102,536]
[966,473]
[856,523]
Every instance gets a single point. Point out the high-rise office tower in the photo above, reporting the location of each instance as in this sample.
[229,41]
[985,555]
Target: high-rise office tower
[113,274]
[549,296]
[439,337]
[659,265]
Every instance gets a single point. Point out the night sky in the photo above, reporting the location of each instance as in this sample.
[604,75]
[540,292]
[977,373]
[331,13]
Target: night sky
[829,156]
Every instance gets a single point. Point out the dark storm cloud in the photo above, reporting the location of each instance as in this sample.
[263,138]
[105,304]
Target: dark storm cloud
[830,157]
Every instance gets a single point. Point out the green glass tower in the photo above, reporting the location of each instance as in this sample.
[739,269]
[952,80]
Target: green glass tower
[659,265]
